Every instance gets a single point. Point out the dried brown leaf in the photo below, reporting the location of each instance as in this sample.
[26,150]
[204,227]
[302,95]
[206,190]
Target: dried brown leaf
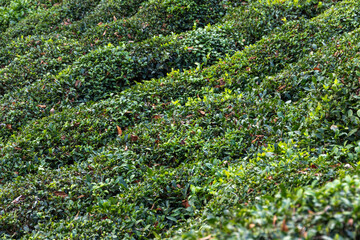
[185,203]
[274,220]
[134,138]
[206,238]
[60,194]
[77,83]
[284,228]
[18,199]
[119,131]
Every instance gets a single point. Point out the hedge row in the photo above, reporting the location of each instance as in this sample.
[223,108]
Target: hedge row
[140,28]
[144,192]
[328,132]
[152,58]
[13,11]
[217,149]
[53,54]
[40,57]
[55,20]
[49,20]
[327,212]
[40,107]
[79,20]
[145,60]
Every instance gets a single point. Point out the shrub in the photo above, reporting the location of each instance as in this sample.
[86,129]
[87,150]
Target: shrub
[204,149]
[152,58]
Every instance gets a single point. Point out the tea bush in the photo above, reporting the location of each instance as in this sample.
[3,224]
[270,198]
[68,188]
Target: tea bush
[152,58]
[254,134]
[12,51]
[330,211]
[13,11]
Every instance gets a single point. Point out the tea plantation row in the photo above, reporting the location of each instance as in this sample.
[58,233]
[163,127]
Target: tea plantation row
[237,134]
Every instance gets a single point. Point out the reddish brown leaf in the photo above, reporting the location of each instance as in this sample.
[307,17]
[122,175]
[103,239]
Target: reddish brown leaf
[251,225]
[274,220]
[202,113]
[8,126]
[318,69]
[284,228]
[281,87]
[60,194]
[185,203]
[313,166]
[81,196]
[206,238]
[156,117]
[77,83]
[134,138]
[350,222]
[119,131]
[41,106]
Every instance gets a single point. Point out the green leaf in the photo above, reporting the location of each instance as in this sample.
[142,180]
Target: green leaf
[171,218]
[352,132]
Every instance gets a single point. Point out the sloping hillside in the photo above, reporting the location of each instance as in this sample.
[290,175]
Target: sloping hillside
[185,119]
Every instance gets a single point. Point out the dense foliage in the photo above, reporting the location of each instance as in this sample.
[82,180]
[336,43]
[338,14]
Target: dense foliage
[182,119]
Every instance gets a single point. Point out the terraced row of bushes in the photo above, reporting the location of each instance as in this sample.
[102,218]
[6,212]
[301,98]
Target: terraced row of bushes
[14,10]
[179,152]
[17,48]
[326,140]
[151,58]
[40,57]
[133,20]
[330,211]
